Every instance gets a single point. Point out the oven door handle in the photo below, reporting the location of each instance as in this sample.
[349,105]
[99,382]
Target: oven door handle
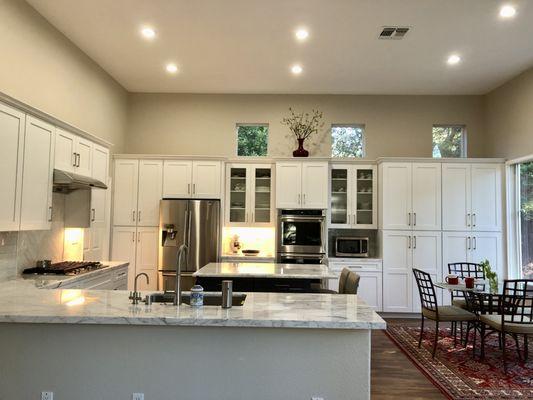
[308,255]
[300,219]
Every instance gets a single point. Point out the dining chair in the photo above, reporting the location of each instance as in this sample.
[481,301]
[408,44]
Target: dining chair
[342,284]
[431,310]
[351,284]
[515,317]
[464,270]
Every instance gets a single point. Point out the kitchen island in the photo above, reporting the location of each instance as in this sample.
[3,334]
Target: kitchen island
[265,277]
[95,344]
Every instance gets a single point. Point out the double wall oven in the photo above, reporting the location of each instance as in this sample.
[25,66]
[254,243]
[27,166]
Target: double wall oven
[301,236]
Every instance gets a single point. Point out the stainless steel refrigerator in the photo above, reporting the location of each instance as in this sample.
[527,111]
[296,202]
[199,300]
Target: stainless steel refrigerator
[195,223]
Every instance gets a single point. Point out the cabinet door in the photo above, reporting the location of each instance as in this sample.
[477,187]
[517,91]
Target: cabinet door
[456,247]
[150,192]
[396,195]
[11,155]
[36,205]
[397,265]
[125,192]
[427,256]
[370,289]
[100,163]
[487,197]
[261,201]
[456,200]
[123,249]
[65,149]
[238,188]
[206,179]
[84,148]
[98,207]
[341,215]
[426,196]
[177,176]
[147,256]
[289,184]
[364,196]
[314,185]
[488,246]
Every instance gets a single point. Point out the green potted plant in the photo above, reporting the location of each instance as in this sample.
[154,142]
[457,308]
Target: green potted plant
[490,275]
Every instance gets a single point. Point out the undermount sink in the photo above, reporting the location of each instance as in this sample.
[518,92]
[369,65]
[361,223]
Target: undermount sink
[210,299]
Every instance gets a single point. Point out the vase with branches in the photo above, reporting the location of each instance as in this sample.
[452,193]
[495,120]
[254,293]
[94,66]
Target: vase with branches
[303,125]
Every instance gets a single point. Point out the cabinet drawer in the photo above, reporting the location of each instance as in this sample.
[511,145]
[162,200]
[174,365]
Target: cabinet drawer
[355,266]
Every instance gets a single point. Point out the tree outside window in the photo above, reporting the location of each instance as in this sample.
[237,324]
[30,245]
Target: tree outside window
[347,141]
[449,141]
[252,140]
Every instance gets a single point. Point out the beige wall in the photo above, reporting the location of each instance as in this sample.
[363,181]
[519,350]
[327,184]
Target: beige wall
[43,69]
[196,124]
[509,118]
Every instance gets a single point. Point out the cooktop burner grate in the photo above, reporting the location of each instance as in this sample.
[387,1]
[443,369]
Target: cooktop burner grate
[65,268]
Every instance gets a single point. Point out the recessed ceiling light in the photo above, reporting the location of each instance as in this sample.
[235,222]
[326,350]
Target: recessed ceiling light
[171,68]
[296,69]
[454,59]
[302,34]
[148,33]
[507,11]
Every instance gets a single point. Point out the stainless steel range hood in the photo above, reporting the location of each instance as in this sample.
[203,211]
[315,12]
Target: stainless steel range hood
[66,182]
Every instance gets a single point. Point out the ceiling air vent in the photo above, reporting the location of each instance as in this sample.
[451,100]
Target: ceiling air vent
[393,32]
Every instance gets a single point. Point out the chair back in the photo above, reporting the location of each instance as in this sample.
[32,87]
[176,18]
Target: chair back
[352,283]
[426,290]
[342,279]
[517,301]
[465,270]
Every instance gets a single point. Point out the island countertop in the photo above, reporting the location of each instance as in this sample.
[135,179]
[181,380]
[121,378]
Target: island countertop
[21,302]
[264,270]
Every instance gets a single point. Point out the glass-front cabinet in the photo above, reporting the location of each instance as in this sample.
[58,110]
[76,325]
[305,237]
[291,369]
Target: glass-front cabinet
[249,196]
[353,196]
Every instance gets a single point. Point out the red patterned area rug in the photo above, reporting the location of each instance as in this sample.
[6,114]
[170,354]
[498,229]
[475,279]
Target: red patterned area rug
[457,374]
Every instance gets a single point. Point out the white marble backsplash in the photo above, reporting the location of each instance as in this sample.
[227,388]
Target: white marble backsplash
[20,250]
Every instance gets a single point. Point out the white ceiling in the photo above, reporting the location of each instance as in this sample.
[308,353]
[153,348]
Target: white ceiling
[248,46]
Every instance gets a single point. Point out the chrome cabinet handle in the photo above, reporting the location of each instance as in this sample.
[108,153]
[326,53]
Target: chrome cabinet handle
[79,159]
[74,158]
[304,198]
[299,196]
[468,243]
[188,188]
[467,219]
[474,219]
[133,215]
[408,219]
[139,216]
[50,214]
[409,243]
[475,242]
[138,238]
[133,237]
[94,214]
[194,188]
[414,219]
[414,242]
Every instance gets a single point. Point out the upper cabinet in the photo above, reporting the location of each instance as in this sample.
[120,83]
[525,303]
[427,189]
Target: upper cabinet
[100,161]
[36,204]
[138,191]
[472,197]
[353,196]
[11,155]
[191,179]
[410,196]
[73,153]
[249,195]
[302,184]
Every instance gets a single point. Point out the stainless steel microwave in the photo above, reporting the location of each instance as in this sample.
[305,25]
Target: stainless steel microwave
[351,246]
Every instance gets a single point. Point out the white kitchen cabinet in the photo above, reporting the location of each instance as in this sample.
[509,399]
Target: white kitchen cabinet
[472,197]
[410,196]
[124,248]
[11,156]
[249,195]
[192,179]
[370,284]
[125,192]
[73,153]
[36,204]
[177,175]
[150,192]
[403,251]
[353,196]
[302,184]
[100,163]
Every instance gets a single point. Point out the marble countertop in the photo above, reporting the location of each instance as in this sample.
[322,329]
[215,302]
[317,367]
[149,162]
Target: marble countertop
[265,270]
[24,303]
[56,281]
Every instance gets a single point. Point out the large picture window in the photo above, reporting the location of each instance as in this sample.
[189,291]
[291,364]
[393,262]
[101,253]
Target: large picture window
[525,171]
[449,141]
[252,140]
[347,141]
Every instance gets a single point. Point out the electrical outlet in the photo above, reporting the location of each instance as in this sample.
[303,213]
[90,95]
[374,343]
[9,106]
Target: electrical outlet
[137,396]
[47,395]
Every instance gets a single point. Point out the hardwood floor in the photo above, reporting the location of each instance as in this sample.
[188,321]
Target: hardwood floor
[394,376]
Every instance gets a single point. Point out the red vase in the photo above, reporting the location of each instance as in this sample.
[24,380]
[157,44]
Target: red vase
[300,151]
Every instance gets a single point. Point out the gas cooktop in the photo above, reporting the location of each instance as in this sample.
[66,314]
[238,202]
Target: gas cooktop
[65,268]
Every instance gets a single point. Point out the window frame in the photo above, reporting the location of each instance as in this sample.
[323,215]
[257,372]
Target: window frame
[464,139]
[363,139]
[238,125]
